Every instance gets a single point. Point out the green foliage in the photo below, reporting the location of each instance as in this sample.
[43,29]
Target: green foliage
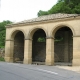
[58,39]
[3,32]
[41,39]
[2,59]
[42,13]
[63,6]
[56,8]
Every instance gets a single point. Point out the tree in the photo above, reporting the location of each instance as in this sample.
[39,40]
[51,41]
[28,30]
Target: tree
[42,13]
[3,32]
[63,6]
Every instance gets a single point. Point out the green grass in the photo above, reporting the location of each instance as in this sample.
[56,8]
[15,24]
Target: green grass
[2,59]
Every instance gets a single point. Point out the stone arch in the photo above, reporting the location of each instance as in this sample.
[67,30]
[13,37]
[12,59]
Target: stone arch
[63,43]
[33,30]
[17,45]
[53,31]
[38,48]
[13,33]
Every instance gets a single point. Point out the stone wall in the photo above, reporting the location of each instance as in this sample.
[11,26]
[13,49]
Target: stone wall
[2,52]
[39,52]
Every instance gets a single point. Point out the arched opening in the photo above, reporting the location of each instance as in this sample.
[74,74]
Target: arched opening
[39,46]
[63,46]
[18,52]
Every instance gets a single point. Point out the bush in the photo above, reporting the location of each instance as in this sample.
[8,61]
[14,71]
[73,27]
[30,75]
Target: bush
[2,59]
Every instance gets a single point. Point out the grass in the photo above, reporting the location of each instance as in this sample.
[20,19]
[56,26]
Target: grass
[2,59]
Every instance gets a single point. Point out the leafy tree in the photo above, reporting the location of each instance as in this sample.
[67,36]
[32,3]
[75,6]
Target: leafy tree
[3,32]
[63,6]
[56,8]
[42,13]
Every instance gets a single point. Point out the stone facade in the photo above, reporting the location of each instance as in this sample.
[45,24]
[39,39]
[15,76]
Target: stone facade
[66,51]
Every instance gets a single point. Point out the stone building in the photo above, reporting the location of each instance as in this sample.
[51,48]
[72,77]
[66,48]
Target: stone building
[50,39]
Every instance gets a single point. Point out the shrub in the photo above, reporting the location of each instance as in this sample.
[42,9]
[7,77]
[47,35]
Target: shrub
[2,59]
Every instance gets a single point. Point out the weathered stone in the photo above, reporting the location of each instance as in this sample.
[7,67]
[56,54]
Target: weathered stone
[2,52]
[50,24]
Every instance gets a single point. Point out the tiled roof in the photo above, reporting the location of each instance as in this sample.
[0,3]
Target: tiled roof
[46,18]
[50,17]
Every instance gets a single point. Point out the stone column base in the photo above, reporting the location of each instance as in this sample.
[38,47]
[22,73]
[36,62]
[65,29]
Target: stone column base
[8,59]
[27,61]
[76,62]
[49,63]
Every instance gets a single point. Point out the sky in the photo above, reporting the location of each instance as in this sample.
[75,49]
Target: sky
[20,10]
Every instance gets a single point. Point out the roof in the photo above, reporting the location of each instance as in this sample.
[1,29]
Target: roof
[48,17]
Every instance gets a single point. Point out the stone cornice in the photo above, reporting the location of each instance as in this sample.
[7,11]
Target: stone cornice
[28,39]
[9,40]
[76,36]
[49,38]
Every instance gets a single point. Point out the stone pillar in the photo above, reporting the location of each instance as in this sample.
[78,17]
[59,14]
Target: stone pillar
[66,54]
[76,51]
[9,50]
[28,52]
[49,51]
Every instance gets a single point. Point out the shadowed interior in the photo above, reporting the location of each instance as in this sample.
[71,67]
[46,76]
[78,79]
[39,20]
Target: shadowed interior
[39,46]
[18,47]
[63,45]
